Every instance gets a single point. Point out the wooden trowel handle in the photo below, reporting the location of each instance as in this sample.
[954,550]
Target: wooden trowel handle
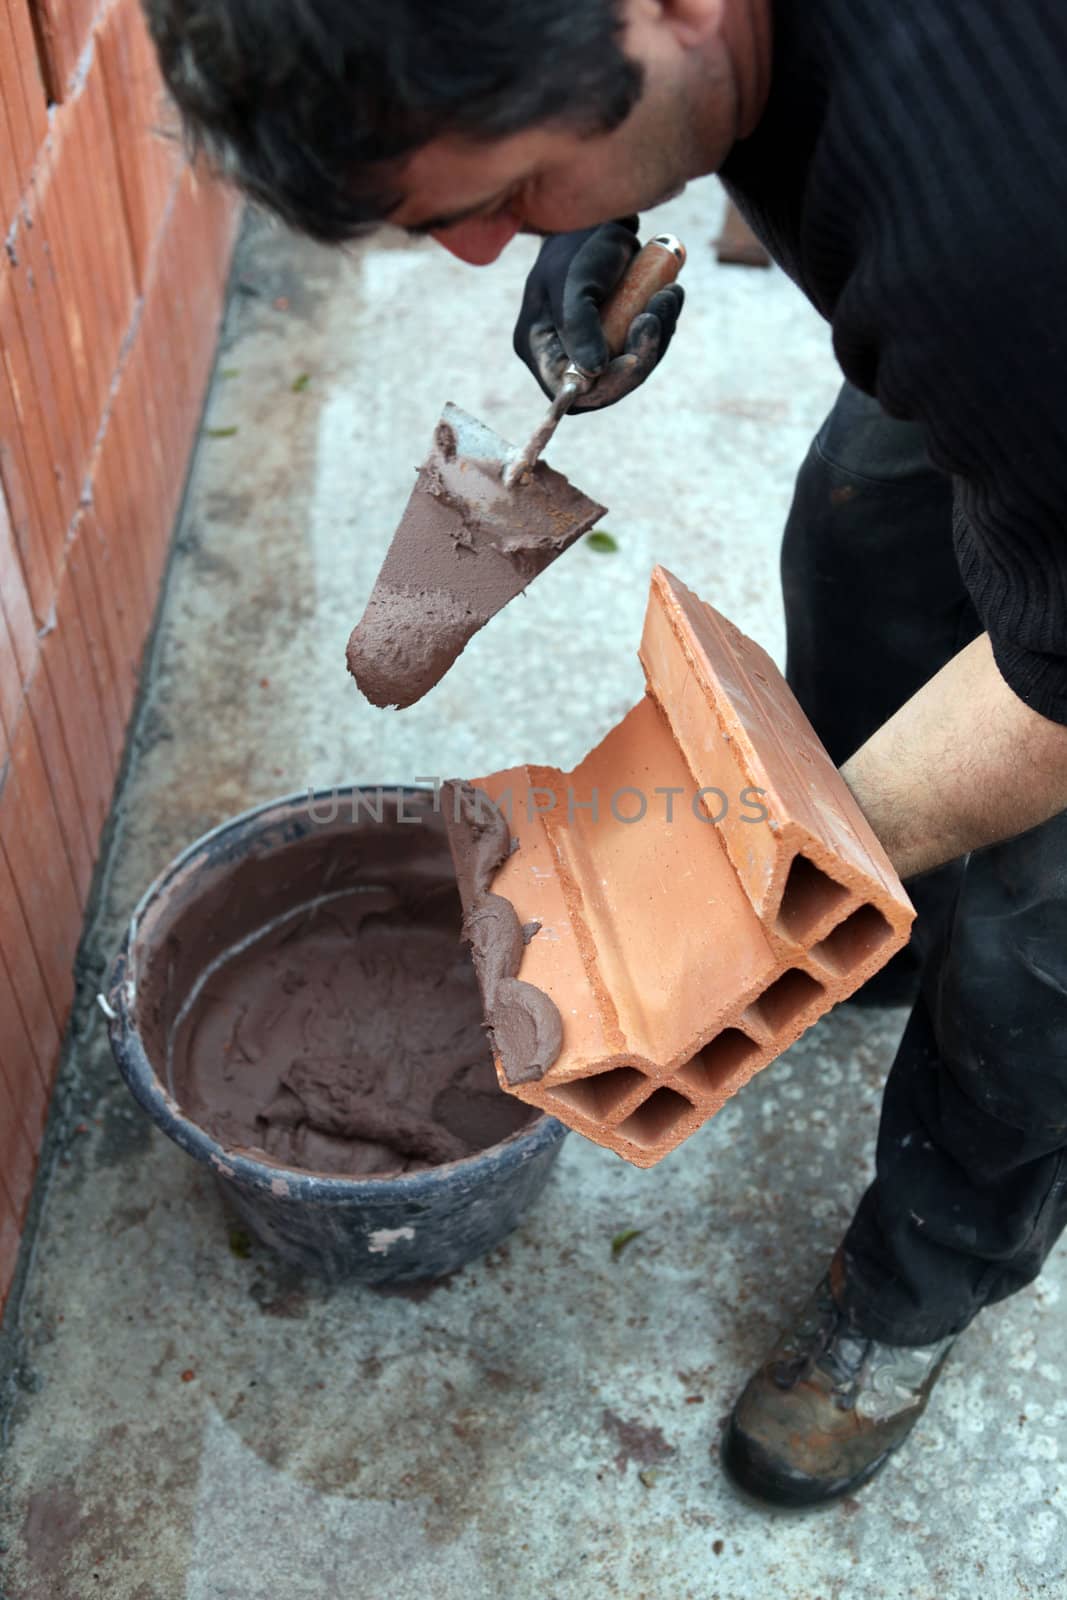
[651,270]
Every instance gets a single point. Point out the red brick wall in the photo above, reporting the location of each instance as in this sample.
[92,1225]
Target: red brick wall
[111,289]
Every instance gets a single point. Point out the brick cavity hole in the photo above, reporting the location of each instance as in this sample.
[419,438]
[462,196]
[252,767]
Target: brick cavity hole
[808,897]
[600,1097]
[655,1118]
[781,1004]
[854,940]
[718,1062]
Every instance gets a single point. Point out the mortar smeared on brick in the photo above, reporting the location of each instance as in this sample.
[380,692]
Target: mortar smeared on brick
[525,1024]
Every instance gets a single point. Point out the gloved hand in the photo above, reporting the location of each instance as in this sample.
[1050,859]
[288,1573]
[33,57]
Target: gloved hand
[559,322]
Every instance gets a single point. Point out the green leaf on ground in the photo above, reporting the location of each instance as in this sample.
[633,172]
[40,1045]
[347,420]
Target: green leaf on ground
[230,372]
[220,433]
[240,1243]
[301,383]
[603,542]
[649,1476]
[621,1240]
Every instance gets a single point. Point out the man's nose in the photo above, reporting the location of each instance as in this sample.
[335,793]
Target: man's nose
[479,242]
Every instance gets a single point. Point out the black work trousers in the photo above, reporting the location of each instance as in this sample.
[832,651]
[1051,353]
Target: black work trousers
[970,1192]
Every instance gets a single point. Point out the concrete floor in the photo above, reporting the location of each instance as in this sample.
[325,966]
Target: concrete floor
[183,1423]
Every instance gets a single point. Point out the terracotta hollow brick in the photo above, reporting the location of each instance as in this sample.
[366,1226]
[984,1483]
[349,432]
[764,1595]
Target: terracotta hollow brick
[74,332]
[26,972]
[26,463]
[118,603]
[157,332]
[148,162]
[677,874]
[66,661]
[163,154]
[140,361]
[91,184]
[171,292]
[20,509]
[39,247]
[83,583]
[56,415]
[113,499]
[9,1248]
[53,26]
[35,846]
[67,804]
[115,253]
[70,194]
[18,1149]
[78,19]
[63,331]
[153,520]
[169,466]
[12,171]
[11,697]
[201,205]
[757,738]
[18,616]
[22,90]
[123,451]
[683,947]
[225,216]
[18,1056]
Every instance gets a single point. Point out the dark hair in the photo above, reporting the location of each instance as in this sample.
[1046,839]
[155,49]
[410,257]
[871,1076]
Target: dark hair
[312,106]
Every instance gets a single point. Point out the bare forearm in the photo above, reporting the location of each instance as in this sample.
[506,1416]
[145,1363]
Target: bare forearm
[964,763]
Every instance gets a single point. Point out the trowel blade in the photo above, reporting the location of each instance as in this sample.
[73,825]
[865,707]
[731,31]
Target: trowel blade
[465,546]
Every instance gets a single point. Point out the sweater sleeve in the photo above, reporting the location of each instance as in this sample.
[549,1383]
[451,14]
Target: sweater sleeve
[976,354]
[933,225]
[909,175]
[1023,607]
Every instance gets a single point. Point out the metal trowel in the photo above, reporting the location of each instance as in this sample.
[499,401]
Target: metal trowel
[484,519]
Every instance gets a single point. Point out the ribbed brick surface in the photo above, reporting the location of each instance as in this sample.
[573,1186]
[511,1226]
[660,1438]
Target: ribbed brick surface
[63,27]
[23,96]
[149,155]
[110,294]
[687,941]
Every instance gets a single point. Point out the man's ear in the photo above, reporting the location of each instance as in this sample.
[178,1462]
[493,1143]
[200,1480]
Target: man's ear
[693,21]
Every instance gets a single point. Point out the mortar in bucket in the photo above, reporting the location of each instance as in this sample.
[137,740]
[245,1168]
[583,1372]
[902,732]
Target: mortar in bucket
[292,1005]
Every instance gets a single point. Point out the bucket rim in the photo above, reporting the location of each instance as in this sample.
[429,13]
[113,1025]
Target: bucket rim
[241,820]
[118,1005]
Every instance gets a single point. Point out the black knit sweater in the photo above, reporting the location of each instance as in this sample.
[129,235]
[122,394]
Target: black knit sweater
[910,174]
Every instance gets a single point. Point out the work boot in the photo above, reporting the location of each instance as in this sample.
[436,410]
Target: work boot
[827,1408]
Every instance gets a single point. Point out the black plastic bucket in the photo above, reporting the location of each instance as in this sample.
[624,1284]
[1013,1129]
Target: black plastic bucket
[413,1226]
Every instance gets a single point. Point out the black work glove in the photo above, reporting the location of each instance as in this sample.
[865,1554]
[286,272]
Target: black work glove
[559,322]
